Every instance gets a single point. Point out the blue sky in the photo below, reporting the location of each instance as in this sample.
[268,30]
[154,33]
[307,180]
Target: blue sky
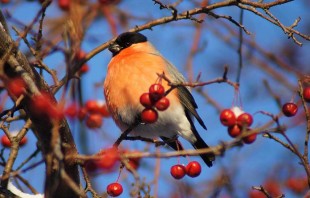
[250,164]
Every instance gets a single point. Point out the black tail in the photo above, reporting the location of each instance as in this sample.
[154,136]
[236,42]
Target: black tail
[208,158]
[200,144]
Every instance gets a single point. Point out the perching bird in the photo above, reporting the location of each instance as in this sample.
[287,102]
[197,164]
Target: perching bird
[134,67]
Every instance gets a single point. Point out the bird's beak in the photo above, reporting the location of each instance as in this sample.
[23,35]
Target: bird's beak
[115,48]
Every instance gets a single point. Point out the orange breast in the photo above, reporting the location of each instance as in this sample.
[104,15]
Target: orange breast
[129,75]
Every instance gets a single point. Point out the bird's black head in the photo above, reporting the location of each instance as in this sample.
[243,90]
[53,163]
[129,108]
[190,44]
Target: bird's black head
[125,40]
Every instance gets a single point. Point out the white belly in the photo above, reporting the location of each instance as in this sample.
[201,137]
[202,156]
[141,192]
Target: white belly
[172,122]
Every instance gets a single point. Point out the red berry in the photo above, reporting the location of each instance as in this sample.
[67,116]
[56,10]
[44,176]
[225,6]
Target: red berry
[245,119]
[256,194]
[306,94]
[84,69]
[133,162]
[162,104]
[5,1]
[64,4]
[80,55]
[91,166]
[92,106]
[227,117]
[157,91]
[297,185]
[146,101]
[289,109]
[16,86]
[178,171]
[149,116]
[104,110]
[234,130]
[273,187]
[5,141]
[82,113]
[114,189]
[23,141]
[43,105]
[109,158]
[72,110]
[193,169]
[249,139]
[109,2]
[97,106]
[94,121]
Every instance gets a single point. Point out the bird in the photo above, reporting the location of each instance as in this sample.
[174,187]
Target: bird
[133,68]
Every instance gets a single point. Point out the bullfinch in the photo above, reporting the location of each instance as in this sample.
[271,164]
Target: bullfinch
[134,67]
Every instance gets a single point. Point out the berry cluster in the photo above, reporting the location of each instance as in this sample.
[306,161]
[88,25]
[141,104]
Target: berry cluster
[193,169]
[80,55]
[297,184]
[5,141]
[155,98]
[92,112]
[237,121]
[106,161]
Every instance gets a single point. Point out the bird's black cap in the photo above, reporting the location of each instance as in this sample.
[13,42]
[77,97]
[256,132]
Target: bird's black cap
[125,40]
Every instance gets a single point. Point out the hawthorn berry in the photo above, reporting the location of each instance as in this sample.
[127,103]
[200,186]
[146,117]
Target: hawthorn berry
[133,162]
[114,189]
[306,94]
[82,112]
[94,120]
[104,110]
[156,91]
[5,141]
[297,185]
[149,115]
[23,141]
[193,169]
[249,139]
[108,159]
[80,55]
[245,119]
[64,4]
[16,86]
[97,106]
[71,110]
[227,117]
[289,109]
[178,171]
[162,104]
[108,2]
[91,166]
[273,187]
[5,1]
[92,106]
[84,69]
[43,105]
[234,130]
[256,194]
[146,101]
